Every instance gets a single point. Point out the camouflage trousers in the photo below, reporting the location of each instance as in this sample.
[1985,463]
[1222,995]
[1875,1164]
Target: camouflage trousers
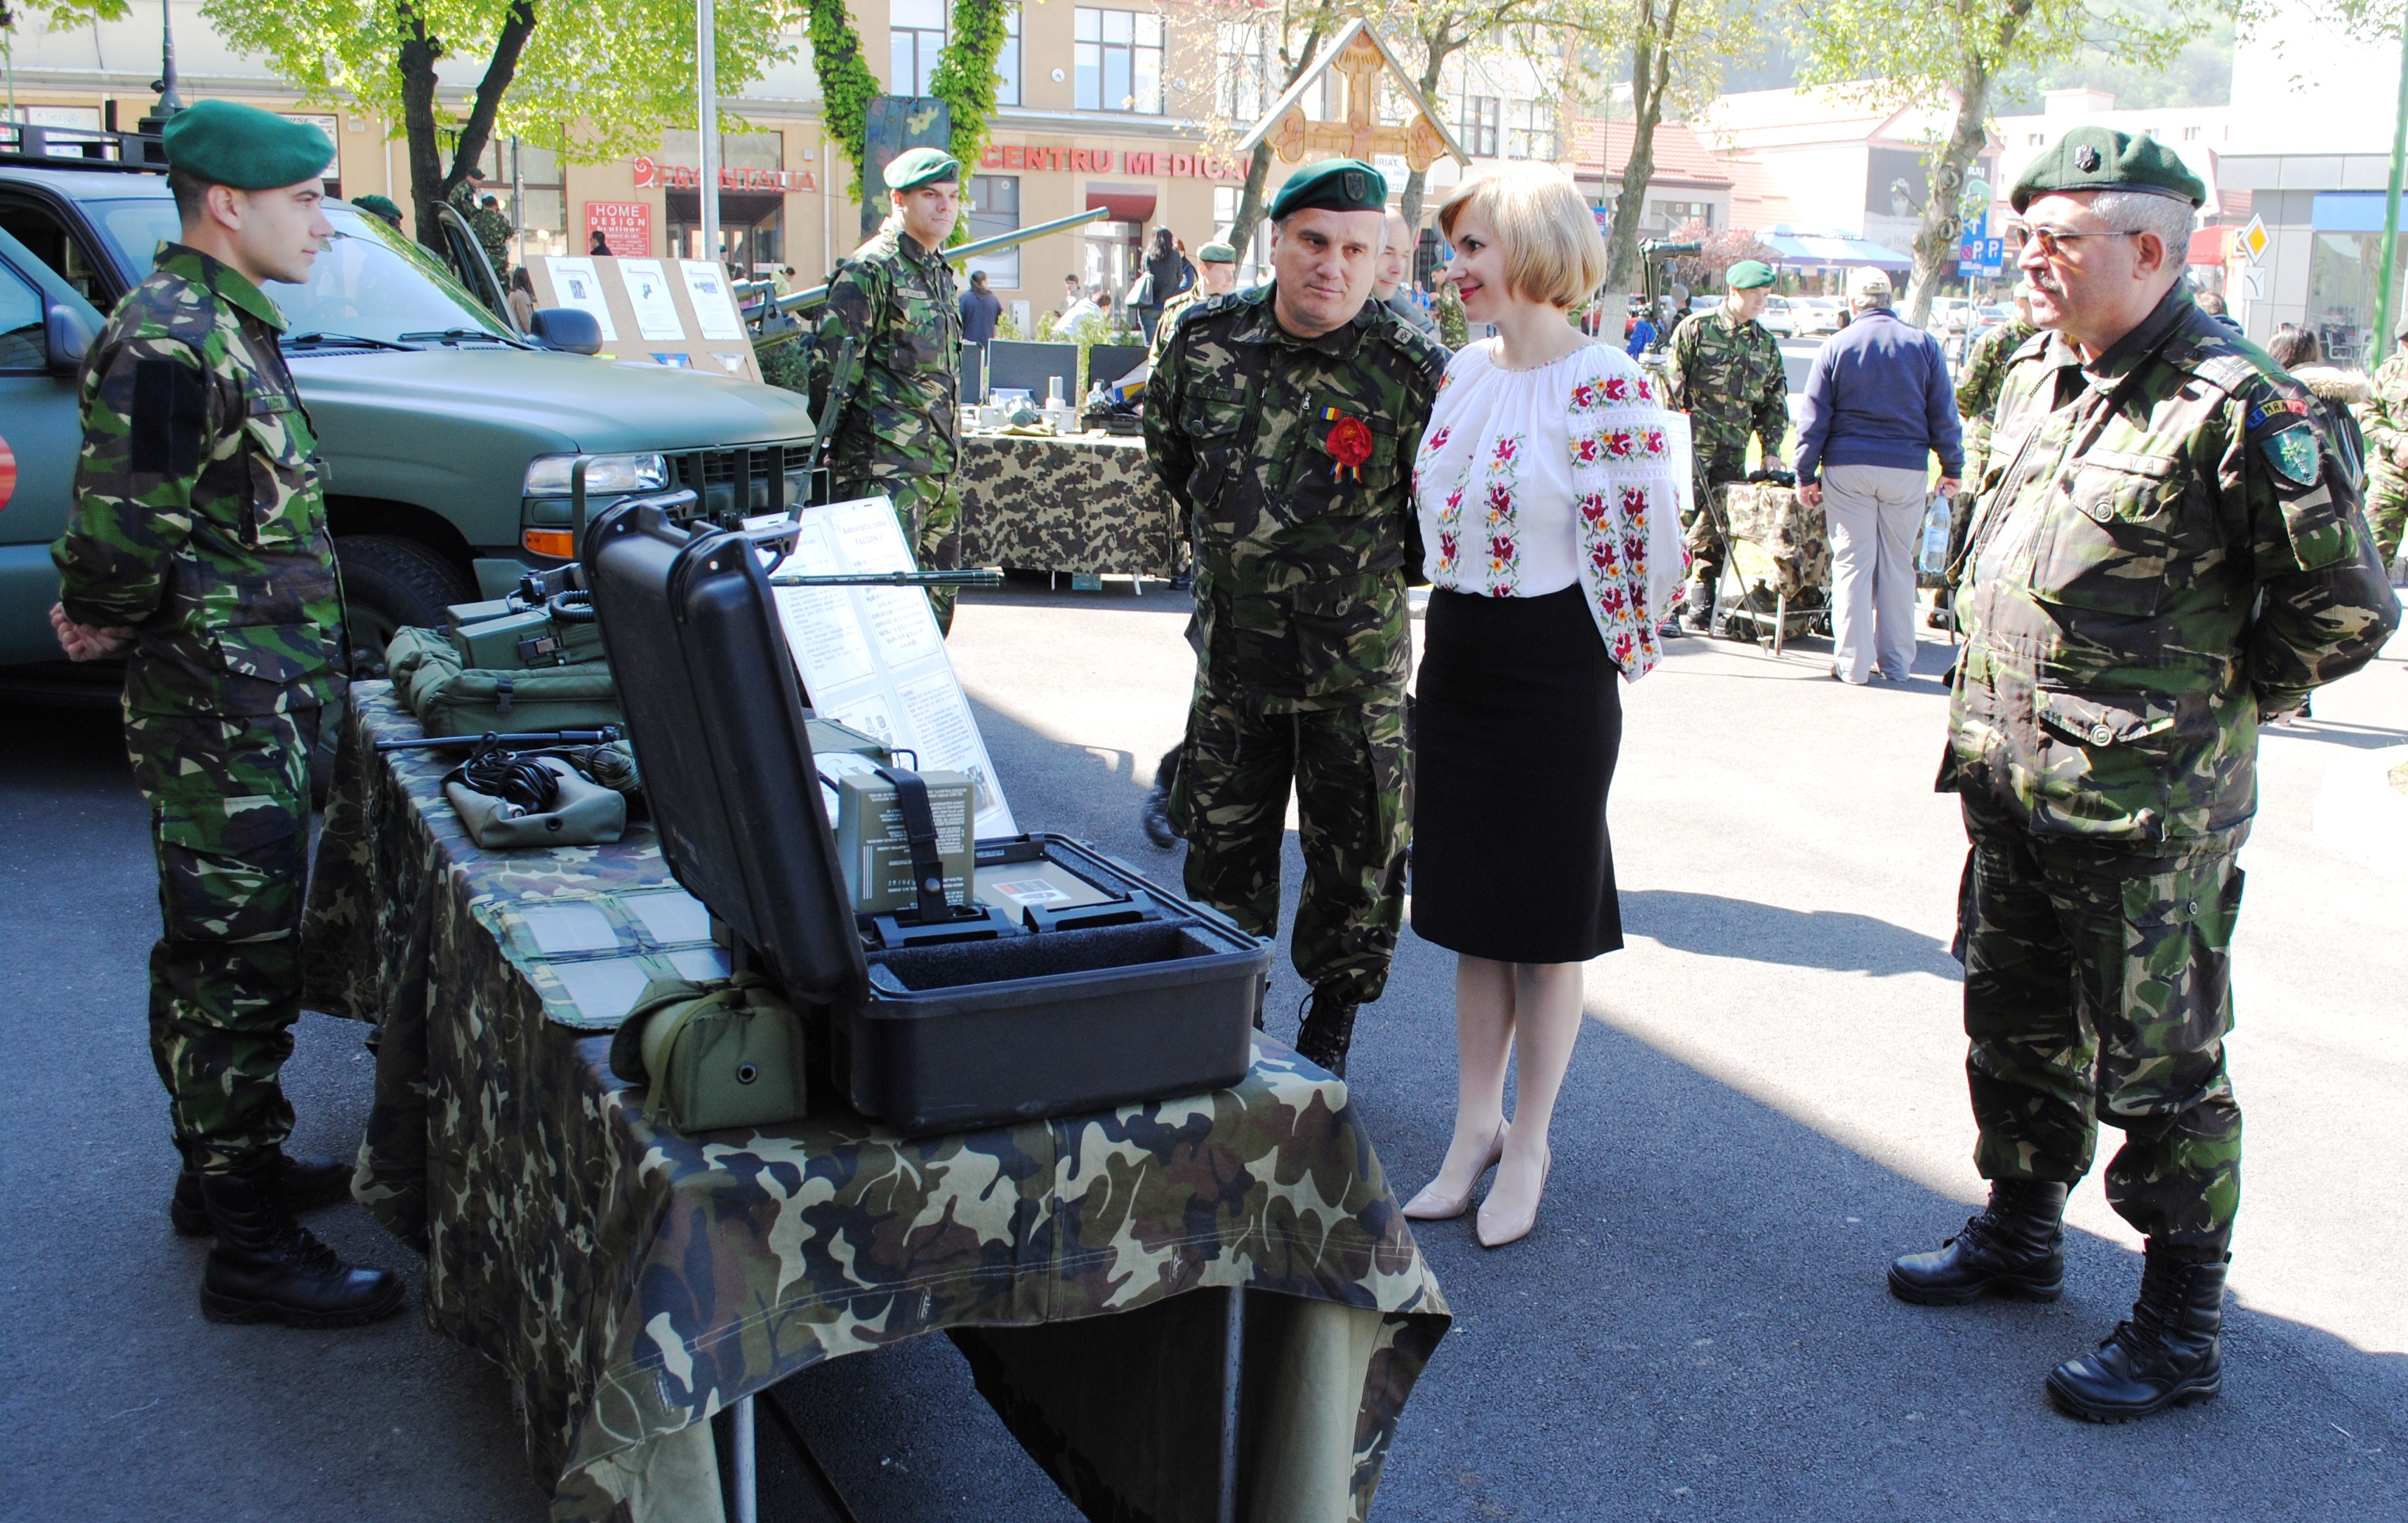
[2387,516]
[229,799]
[1705,541]
[929,509]
[2098,988]
[1346,763]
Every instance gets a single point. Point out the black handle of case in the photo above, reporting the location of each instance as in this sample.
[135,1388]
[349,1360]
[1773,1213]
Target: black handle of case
[920,829]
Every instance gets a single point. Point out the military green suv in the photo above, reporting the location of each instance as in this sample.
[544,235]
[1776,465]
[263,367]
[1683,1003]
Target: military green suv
[455,445]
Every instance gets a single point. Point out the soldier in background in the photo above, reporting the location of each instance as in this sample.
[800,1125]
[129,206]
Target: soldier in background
[1284,421]
[1724,368]
[1977,391]
[198,548]
[2384,420]
[1446,310]
[2172,556]
[1216,274]
[378,205]
[895,302]
[1390,286]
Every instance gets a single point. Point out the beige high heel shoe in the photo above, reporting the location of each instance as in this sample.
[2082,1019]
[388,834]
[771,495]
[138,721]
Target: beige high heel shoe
[1428,1206]
[1516,1231]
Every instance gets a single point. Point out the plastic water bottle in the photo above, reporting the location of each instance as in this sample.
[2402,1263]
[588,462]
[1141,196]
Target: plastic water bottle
[1933,558]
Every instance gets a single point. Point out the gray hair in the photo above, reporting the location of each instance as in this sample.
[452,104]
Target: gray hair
[2166,218]
[1871,299]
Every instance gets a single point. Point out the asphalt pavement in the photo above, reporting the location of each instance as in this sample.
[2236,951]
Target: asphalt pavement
[1766,1103]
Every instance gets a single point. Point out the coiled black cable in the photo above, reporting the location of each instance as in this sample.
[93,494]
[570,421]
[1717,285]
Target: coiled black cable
[500,772]
[571,607]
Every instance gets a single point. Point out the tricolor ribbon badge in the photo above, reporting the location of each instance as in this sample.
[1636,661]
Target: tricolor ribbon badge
[1349,443]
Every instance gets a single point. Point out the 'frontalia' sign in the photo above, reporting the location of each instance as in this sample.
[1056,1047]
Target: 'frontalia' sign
[651,174]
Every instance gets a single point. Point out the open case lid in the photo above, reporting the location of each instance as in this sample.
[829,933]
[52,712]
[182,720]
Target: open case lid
[715,713]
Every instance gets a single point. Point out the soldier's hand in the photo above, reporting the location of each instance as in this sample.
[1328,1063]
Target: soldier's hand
[89,642]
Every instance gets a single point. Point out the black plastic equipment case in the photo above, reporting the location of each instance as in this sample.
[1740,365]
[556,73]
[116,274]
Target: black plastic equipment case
[985,1019]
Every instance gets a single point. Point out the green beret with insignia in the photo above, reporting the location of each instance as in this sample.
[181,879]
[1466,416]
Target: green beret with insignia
[376,206]
[1216,253]
[244,146]
[1748,274]
[916,167]
[1336,185]
[2103,159]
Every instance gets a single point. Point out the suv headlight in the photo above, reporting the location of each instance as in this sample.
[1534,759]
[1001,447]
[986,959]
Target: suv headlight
[547,475]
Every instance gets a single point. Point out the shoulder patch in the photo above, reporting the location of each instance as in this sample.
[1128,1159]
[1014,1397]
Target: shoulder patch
[2294,452]
[169,422]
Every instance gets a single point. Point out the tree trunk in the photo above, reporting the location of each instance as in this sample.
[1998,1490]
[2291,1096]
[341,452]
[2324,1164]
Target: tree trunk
[1258,169]
[428,182]
[1442,47]
[1938,237]
[500,69]
[1651,67]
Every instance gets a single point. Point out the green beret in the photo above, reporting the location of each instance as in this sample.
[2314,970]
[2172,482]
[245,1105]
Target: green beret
[2103,159]
[1748,274]
[1334,185]
[916,167]
[244,146]
[1216,253]
[376,206]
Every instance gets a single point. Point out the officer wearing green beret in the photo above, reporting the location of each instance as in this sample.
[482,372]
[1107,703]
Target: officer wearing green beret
[378,205]
[2169,551]
[197,548]
[893,301]
[1284,421]
[1725,371]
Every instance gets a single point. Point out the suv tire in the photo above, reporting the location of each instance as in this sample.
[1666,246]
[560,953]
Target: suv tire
[390,584]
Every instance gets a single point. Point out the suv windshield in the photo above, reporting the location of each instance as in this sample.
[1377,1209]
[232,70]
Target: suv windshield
[371,282]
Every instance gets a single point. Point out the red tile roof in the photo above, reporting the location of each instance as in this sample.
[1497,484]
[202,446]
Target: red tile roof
[1602,149]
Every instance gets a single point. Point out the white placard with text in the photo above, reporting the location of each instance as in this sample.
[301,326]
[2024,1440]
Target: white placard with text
[580,285]
[655,304]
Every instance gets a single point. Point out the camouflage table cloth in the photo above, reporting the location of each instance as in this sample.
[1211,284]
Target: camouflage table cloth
[1781,544]
[631,1281]
[1087,503]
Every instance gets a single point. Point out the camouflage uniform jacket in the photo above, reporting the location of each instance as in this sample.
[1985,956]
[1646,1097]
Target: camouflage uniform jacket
[1446,309]
[1728,378]
[199,515]
[1300,566]
[491,228]
[895,299]
[2384,418]
[1193,295]
[1978,383]
[2167,547]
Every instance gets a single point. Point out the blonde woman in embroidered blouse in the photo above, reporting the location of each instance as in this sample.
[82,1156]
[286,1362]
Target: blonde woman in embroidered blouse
[1549,518]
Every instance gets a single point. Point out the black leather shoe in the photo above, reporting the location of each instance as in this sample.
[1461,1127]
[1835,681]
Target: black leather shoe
[2015,1248]
[265,1267]
[2170,1354]
[1155,815]
[1697,608]
[1324,1034]
[309,1185]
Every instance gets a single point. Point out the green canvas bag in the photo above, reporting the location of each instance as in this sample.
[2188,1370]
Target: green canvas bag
[450,700]
[728,1053]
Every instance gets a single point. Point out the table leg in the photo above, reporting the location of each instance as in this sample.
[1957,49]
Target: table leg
[1233,1361]
[748,1500]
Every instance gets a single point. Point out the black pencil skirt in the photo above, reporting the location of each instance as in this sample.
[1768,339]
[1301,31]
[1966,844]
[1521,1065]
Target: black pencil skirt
[1518,717]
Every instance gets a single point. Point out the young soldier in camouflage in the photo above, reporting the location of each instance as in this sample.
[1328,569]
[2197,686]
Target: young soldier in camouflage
[1977,392]
[893,300]
[1216,274]
[1284,421]
[2168,552]
[198,545]
[1724,368]
[2384,417]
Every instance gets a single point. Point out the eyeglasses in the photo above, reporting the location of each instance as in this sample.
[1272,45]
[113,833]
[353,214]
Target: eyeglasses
[2015,237]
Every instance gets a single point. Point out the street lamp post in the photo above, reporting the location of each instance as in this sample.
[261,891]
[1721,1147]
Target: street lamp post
[2379,342]
[707,90]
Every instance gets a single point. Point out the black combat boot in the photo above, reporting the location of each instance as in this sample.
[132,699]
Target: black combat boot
[1327,1031]
[1697,608]
[309,1183]
[1154,814]
[2170,1354]
[265,1267]
[2015,1248]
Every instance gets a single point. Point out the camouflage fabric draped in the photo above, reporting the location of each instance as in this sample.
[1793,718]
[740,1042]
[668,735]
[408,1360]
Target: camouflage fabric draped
[630,1280]
[2384,417]
[1085,505]
[1785,546]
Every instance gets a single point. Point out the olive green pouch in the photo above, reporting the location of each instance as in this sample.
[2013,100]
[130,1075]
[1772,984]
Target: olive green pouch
[586,814]
[450,700]
[728,1053]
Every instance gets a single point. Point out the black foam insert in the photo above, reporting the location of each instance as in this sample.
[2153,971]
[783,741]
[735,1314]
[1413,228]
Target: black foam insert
[960,963]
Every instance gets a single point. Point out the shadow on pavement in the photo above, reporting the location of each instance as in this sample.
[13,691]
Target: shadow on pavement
[1714,926]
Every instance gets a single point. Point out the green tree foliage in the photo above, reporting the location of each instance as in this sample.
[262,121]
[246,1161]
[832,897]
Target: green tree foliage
[966,78]
[846,85]
[1902,51]
[589,80]
[61,15]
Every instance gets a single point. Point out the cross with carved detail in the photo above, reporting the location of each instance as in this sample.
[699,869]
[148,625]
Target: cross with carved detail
[1360,136]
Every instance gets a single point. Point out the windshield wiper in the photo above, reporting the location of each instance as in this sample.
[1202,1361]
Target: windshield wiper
[462,335]
[304,341]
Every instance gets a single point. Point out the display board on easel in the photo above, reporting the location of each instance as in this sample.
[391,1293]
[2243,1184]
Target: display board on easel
[679,313]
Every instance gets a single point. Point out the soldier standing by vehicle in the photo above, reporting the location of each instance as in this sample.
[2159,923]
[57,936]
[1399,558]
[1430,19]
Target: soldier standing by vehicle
[1725,371]
[1977,393]
[198,546]
[2384,418]
[2172,555]
[897,430]
[1284,421]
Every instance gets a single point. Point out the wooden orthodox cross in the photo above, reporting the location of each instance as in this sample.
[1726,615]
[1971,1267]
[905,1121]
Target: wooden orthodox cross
[1358,56]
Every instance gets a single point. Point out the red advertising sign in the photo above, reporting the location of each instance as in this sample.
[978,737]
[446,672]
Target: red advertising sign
[651,174]
[626,226]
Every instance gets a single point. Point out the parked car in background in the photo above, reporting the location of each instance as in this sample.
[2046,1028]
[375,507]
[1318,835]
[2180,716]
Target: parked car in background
[1776,316]
[1811,316]
[1706,303]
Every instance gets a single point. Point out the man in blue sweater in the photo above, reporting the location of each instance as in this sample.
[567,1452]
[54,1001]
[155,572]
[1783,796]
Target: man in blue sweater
[1878,405]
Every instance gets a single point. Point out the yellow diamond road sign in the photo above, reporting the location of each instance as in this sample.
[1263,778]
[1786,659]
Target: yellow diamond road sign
[2254,240]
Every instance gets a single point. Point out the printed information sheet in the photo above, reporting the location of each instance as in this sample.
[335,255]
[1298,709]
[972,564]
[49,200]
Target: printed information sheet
[872,658]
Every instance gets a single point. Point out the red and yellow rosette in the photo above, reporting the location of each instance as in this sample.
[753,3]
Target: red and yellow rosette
[1349,442]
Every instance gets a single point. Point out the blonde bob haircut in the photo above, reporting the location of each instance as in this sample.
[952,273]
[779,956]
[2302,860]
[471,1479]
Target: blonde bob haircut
[1553,252]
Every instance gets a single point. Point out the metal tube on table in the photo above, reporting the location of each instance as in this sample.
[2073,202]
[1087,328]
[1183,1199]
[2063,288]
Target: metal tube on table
[981,578]
[1233,1369]
[1012,239]
[748,1500]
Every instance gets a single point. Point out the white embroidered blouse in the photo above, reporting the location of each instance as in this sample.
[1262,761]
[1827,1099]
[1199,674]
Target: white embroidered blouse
[1529,479]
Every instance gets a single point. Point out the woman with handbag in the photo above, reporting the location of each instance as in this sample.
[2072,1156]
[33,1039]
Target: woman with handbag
[1549,512]
[1166,274]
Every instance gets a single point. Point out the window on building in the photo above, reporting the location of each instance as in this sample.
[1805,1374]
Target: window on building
[1482,115]
[1531,130]
[2036,140]
[2190,135]
[994,209]
[916,35]
[1006,66]
[1671,216]
[1117,55]
[543,211]
[1237,76]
